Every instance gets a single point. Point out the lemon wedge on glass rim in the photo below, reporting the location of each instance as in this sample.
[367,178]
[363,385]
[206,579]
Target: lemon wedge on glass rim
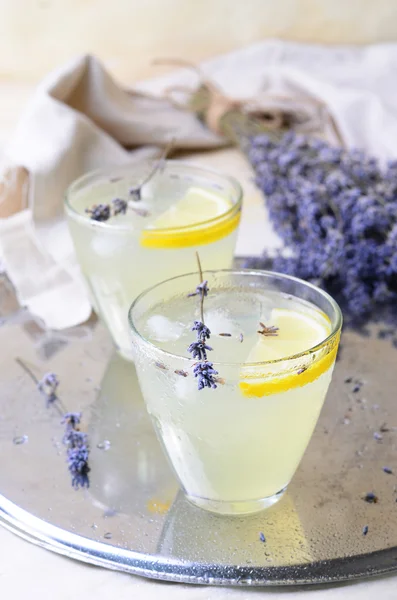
[297,332]
[200,217]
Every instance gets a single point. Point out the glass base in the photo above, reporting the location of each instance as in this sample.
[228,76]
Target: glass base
[243,507]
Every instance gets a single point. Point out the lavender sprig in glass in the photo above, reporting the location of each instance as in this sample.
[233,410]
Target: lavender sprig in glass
[119,206]
[203,369]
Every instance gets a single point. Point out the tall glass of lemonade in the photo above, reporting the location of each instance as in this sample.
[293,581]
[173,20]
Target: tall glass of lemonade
[235,417]
[127,241]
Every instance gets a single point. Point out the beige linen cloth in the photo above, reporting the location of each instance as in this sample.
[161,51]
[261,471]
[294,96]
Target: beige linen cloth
[80,119]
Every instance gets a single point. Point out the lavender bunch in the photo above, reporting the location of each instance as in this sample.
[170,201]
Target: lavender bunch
[203,370]
[336,212]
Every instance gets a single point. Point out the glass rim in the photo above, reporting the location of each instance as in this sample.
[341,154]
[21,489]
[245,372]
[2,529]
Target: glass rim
[256,272]
[85,218]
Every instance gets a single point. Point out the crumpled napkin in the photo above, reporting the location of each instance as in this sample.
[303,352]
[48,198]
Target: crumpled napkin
[80,119]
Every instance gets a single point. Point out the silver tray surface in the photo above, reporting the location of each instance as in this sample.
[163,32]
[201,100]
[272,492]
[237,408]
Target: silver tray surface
[134,519]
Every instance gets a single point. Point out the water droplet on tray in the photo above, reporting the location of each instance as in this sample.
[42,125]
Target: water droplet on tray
[20,439]
[105,445]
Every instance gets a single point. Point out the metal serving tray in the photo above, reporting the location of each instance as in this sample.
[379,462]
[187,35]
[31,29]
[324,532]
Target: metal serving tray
[134,519]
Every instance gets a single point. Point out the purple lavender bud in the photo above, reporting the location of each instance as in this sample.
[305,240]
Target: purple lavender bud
[198,350]
[205,374]
[203,333]
[119,206]
[48,386]
[201,290]
[135,193]
[99,212]
[71,418]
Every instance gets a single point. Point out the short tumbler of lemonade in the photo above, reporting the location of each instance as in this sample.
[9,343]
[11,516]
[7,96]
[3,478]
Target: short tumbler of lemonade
[273,342]
[180,209]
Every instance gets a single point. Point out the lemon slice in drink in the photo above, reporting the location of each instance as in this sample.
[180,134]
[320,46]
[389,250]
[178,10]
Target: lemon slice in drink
[296,333]
[200,217]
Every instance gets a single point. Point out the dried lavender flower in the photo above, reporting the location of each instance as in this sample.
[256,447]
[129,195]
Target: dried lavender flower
[72,419]
[365,529]
[388,470]
[199,350]
[181,372]
[99,212]
[119,206]
[203,333]
[262,537]
[205,373]
[135,193]
[203,370]
[201,290]
[48,386]
[161,366]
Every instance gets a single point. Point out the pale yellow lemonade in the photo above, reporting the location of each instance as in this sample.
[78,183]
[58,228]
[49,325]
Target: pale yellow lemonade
[241,442]
[182,209]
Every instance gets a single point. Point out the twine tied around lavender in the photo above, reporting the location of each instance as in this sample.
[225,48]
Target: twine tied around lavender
[236,118]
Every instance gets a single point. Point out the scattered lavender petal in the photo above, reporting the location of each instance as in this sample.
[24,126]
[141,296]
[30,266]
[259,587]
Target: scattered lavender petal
[371,498]
[161,366]
[181,372]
